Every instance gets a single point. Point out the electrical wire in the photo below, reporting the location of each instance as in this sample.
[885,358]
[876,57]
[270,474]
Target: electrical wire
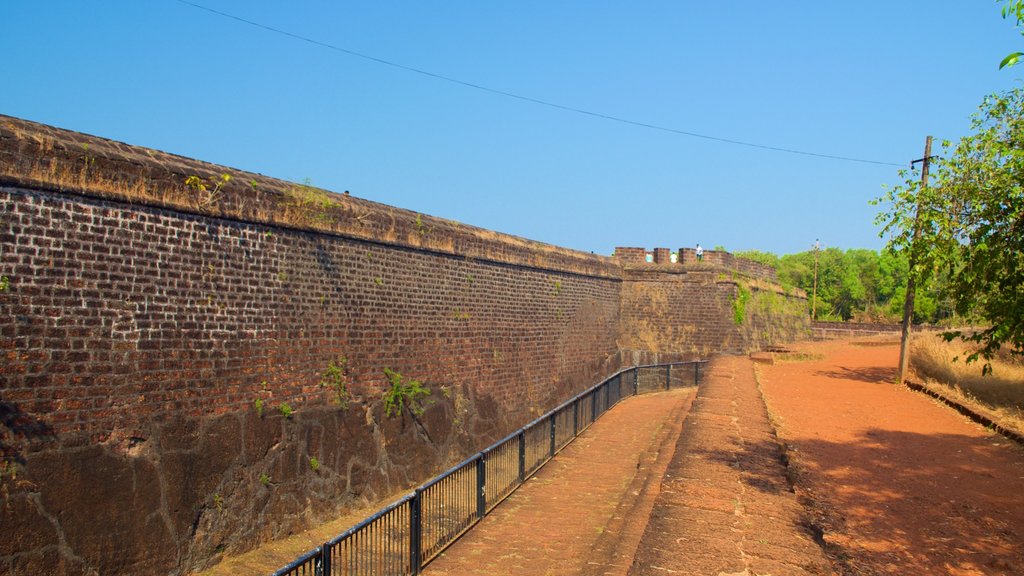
[526,98]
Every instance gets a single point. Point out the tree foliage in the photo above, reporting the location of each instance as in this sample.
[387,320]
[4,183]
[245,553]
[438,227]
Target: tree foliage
[859,285]
[1013,9]
[971,224]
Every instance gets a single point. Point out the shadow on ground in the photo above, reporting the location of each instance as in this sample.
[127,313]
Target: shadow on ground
[943,503]
[871,374]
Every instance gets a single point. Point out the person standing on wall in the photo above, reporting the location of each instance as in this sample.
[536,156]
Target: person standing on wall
[700,253]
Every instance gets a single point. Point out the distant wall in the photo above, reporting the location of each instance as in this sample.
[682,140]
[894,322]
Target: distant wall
[840,330]
[705,311]
[687,257]
[158,313]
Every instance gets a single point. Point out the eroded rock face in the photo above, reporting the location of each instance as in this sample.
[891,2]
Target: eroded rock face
[177,495]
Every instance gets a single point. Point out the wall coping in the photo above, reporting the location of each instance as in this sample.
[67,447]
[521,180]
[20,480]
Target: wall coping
[706,274]
[37,156]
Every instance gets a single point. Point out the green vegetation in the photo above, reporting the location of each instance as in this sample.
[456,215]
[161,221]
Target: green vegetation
[336,378]
[739,304]
[209,191]
[218,502]
[404,393]
[314,463]
[856,285]
[310,204]
[286,410]
[421,228]
[1014,8]
[259,405]
[5,283]
[8,469]
[966,228]
[264,479]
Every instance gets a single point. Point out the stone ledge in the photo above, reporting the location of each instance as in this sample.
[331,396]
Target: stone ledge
[43,157]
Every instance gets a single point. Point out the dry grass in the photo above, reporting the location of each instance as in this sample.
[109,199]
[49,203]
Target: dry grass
[798,356]
[999,395]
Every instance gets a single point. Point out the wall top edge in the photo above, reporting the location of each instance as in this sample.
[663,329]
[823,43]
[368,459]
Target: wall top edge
[42,157]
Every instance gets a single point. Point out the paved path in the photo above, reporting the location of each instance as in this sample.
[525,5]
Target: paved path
[645,492]
[584,512]
[725,506]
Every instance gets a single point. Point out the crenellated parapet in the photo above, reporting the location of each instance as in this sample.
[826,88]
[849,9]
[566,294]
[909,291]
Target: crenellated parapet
[687,257]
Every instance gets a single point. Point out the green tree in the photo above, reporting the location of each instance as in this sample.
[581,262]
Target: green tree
[971,225]
[1015,9]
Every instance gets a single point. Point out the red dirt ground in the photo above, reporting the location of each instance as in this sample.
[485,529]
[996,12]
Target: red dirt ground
[900,483]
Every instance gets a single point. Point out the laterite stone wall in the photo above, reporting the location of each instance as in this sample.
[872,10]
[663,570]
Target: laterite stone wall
[194,356]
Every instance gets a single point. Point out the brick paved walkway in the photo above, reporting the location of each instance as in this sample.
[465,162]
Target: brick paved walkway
[644,492]
[725,506]
[584,512]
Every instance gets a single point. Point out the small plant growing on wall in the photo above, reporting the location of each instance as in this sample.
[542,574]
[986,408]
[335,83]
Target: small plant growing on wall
[404,393]
[739,304]
[314,464]
[209,191]
[259,404]
[218,502]
[421,228]
[264,479]
[558,287]
[5,283]
[8,475]
[335,377]
[286,410]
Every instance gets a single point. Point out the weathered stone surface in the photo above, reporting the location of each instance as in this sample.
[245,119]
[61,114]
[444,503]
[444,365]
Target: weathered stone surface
[143,321]
[107,508]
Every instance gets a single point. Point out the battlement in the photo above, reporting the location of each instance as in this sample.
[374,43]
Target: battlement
[632,257]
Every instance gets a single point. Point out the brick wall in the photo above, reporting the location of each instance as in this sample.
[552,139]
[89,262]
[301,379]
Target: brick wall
[117,314]
[694,311]
[152,331]
[839,330]
[120,321]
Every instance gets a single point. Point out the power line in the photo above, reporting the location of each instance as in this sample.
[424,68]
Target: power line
[525,98]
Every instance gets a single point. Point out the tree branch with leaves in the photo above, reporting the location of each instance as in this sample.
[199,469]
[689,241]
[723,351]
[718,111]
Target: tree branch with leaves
[1013,9]
[972,226]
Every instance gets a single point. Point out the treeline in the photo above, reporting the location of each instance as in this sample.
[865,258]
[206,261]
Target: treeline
[856,285]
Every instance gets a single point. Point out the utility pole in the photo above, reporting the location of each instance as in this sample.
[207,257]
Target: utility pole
[908,304]
[814,293]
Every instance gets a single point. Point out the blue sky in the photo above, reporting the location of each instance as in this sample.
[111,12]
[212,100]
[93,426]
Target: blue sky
[867,80]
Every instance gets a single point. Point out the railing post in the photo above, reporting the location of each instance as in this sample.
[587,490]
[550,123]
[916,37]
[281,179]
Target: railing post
[481,486]
[593,406]
[325,559]
[576,417]
[607,397]
[696,372]
[522,455]
[636,381]
[415,530]
[668,377]
[552,451]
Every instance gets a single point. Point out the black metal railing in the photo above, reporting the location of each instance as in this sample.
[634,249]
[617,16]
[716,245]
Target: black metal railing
[403,537]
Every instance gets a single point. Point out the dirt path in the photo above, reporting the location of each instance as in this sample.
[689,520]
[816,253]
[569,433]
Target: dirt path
[900,483]
[584,512]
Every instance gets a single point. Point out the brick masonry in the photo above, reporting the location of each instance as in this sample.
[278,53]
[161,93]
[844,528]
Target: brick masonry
[141,319]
